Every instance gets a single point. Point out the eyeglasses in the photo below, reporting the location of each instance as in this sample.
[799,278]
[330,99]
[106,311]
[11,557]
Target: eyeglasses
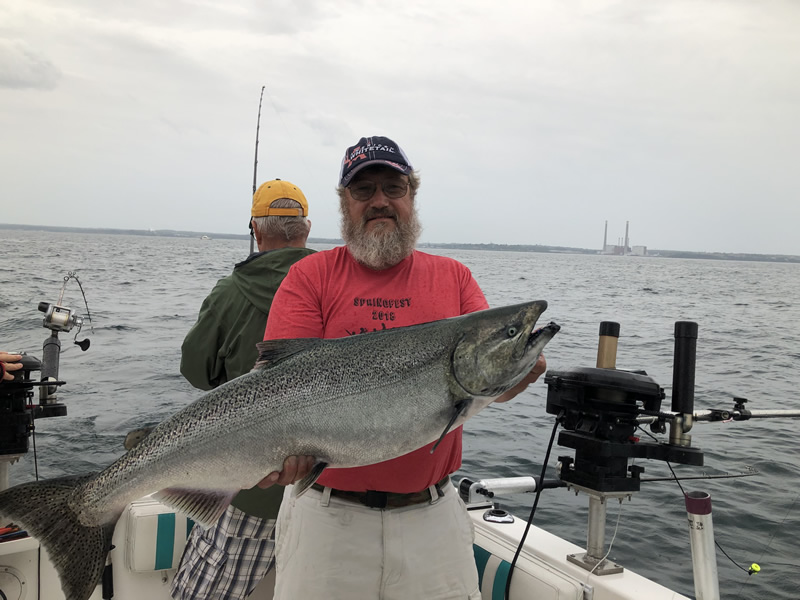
[364,189]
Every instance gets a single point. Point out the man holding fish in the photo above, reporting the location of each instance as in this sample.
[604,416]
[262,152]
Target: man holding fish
[395,529]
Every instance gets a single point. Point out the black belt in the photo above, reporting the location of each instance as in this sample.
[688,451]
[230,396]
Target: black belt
[376,499]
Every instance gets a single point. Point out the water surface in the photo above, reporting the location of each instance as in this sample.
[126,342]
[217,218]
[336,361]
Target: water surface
[144,294]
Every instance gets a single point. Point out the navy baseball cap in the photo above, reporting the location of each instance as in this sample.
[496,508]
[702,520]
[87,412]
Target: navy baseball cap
[370,151]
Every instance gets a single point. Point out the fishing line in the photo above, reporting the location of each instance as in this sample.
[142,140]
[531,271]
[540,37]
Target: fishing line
[772,535]
[67,277]
[769,543]
[539,488]
[749,571]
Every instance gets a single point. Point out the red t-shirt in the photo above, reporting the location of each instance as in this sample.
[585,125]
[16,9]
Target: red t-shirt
[330,295]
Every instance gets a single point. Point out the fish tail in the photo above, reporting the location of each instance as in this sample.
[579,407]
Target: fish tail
[77,552]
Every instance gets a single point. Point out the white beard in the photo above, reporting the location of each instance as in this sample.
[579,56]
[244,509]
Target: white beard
[382,247]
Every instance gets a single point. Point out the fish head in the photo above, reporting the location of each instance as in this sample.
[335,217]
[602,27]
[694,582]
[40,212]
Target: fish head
[499,347]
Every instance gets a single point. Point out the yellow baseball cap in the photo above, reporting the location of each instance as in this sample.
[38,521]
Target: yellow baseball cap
[270,191]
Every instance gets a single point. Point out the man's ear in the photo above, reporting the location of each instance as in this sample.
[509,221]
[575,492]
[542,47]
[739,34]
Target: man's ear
[256,232]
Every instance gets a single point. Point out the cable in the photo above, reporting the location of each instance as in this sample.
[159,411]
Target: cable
[678,481]
[610,545]
[533,508]
[772,535]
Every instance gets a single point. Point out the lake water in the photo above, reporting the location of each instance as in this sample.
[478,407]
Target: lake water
[144,294]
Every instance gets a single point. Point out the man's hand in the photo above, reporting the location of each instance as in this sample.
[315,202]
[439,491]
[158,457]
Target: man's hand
[539,368]
[8,364]
[294,469]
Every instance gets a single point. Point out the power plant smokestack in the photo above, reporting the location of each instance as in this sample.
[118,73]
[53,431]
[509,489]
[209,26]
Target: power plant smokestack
[625,248]
[605,237]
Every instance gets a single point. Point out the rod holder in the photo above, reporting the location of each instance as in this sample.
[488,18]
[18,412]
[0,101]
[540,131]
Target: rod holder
[701,538]
[683,368]
[607,345]
[51,351]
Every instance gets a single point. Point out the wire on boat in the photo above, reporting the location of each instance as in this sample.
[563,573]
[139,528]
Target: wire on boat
[35,453]
[610,545]
[754,568]
[777,526]
[533,508]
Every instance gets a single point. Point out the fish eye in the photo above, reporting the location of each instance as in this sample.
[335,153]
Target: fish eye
[511,331]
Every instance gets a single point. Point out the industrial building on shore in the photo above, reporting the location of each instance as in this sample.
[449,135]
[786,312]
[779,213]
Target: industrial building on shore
[623,247]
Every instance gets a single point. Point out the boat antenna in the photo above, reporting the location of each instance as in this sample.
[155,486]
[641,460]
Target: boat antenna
[255,165]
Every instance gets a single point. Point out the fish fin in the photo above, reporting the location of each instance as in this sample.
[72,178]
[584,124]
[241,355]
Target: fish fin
[303,484]
[459,407]
[274,351]
[202,506]
[77,552]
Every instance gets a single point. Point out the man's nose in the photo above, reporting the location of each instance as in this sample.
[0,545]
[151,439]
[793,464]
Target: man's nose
[379,199]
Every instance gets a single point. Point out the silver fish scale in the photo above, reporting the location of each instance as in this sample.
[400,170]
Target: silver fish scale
[325,402]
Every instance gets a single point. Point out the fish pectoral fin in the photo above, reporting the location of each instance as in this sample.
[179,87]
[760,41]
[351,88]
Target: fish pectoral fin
[202,506]
[274,351]
[458,410]
[303,484]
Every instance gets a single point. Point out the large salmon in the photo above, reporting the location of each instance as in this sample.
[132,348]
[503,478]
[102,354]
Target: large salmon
[348,402]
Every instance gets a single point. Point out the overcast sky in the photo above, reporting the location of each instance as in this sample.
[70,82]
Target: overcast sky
[530,122]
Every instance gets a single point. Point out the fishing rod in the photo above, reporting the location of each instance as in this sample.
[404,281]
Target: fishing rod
[255,167]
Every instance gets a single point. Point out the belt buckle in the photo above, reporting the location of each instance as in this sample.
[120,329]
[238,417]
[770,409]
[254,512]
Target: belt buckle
[373,499]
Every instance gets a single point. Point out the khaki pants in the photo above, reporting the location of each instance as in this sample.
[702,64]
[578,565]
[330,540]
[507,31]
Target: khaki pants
[333,549]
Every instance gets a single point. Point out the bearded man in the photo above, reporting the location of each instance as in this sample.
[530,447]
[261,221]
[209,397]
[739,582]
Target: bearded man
[395,529]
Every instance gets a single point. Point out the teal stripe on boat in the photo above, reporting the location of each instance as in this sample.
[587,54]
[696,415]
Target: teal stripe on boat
[165,541]
[499,587]
[189,525]
[481,558]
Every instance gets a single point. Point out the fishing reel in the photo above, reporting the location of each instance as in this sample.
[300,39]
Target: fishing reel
[59,318]
[600,409]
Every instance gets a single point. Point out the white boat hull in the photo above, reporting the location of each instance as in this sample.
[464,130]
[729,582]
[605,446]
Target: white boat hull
[149,540]
[543,572]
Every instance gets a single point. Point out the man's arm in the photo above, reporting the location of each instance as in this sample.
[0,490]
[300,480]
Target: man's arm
[200,362]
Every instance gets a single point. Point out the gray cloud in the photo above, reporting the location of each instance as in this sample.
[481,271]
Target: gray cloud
[23,68]
[679,115]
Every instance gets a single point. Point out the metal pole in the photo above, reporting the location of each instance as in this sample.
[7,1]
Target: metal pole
[596,531]
[51,350]
[701,537]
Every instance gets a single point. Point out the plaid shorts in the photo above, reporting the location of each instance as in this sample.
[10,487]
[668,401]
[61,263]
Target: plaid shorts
[227,560]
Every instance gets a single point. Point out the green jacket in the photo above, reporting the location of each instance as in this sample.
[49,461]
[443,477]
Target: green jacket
[222,344]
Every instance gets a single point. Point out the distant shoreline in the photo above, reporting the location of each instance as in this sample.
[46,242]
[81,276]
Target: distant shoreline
[782,258]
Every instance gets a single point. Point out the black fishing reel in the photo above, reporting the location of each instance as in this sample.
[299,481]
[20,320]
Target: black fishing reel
[601,408]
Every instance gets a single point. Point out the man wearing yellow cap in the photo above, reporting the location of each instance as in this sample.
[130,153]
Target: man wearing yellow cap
[228,560]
